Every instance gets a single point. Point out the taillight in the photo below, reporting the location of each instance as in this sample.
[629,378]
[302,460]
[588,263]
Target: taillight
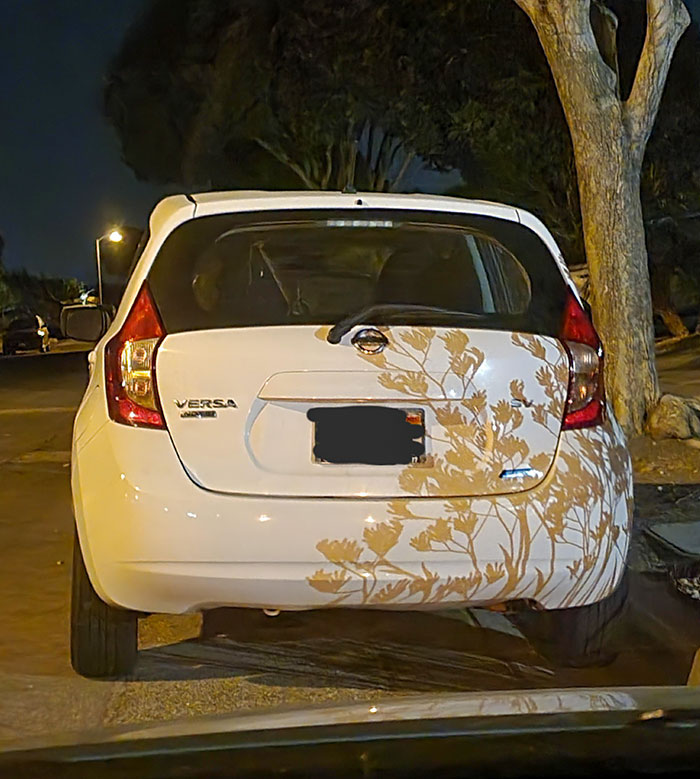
[585,402]
[130,360]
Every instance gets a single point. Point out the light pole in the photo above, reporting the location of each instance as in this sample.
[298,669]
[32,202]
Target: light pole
[115,236]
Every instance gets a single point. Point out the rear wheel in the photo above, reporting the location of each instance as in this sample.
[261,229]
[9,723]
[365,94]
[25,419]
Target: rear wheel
[581,636]
[103,638]
[7,350]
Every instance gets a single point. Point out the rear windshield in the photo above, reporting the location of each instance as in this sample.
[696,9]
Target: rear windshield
[316,267]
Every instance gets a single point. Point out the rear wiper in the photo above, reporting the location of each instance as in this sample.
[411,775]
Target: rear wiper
[392,309]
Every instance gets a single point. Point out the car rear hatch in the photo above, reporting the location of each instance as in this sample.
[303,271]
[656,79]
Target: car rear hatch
[258,400]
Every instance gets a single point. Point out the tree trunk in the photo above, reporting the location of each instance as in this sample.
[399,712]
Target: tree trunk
[673,322]
[609,136]
[613,231]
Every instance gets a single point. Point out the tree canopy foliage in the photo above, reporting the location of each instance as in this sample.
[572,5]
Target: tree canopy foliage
[39,293]
[312,93]
[44,295]
[319,94]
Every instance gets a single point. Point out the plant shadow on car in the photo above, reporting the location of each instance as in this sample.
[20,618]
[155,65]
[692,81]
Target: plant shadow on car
[654,642]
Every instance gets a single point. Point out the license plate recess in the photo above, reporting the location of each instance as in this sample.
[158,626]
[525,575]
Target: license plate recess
[368,435]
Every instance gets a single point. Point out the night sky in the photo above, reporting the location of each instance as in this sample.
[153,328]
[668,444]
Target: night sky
[63,182]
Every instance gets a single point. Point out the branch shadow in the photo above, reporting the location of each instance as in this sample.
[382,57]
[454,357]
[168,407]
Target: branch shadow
[449,651]
[358,649]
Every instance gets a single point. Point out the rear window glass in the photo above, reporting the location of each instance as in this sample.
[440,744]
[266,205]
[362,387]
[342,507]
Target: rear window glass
[243,270]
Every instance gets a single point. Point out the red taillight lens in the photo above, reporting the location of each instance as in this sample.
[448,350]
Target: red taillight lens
[130,360]
[585,402]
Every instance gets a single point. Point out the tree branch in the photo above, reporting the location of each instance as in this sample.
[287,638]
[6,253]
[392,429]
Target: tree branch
[666,22]
[410,156]
[386,173]
[313,169]
[584,79]
[380,166]
[527,5]
[352,161]
[329,167]
[370,143]
[285,159]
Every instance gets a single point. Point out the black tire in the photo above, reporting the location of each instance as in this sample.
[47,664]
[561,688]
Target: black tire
[7,351]
[103,639]
[578,637]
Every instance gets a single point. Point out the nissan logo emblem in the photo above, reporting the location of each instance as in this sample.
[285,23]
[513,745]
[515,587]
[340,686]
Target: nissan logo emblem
[369,340]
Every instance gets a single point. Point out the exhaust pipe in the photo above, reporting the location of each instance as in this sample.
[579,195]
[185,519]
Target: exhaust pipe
[271,612]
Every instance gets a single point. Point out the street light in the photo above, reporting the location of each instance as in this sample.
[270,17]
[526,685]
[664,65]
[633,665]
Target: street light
[114,236]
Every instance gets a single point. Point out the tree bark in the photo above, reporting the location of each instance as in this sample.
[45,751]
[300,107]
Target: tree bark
[609,137]
[613,232]
[673,322]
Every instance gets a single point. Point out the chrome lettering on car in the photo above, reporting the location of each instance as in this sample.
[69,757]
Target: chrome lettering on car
[203,403]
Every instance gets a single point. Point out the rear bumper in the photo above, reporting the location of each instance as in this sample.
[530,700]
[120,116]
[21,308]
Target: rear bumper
[154,541]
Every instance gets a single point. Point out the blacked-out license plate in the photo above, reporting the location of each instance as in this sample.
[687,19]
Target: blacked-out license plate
[370,435]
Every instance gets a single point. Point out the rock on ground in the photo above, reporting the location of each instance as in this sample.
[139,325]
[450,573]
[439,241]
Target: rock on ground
[675,417]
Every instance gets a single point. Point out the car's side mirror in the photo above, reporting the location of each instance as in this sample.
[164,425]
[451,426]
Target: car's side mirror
[84,323]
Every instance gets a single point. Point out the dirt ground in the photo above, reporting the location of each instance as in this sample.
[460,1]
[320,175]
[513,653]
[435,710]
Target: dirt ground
[665,462]
[671,461]
[666,472]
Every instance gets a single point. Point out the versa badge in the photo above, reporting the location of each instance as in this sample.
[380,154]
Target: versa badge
[203,408]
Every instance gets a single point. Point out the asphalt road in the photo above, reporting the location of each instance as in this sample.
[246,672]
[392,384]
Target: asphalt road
[238,659]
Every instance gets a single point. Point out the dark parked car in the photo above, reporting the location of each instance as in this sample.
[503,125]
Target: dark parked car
[27,331]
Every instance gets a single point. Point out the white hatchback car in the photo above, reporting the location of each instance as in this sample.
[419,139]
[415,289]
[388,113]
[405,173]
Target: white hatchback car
[312,400]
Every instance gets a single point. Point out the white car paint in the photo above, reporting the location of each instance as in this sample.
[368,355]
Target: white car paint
[332,373]
[228,511]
